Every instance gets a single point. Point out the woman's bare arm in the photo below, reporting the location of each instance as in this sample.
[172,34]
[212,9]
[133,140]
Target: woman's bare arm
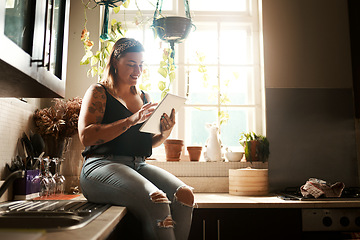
[91,131]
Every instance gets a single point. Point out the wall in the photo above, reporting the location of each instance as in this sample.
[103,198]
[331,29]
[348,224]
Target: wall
[16,118]
[309,97]
[77,80]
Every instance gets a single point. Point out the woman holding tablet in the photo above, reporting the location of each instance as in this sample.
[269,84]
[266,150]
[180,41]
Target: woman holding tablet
[114,171]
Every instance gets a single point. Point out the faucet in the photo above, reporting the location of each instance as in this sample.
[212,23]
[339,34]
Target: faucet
[15,175]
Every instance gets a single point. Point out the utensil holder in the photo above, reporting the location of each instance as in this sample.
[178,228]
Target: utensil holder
[25,188]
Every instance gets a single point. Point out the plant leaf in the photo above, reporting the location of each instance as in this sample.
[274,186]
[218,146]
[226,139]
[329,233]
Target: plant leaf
[236,75]
[161,85]
[84,61]
[163,72]
[172,76]
[163,94]
[94,60]
[126,4]
[163,64]
[116,9]
[113,21]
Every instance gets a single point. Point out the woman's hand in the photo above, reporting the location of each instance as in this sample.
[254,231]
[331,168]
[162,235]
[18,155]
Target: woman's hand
[167,123]
[143,114]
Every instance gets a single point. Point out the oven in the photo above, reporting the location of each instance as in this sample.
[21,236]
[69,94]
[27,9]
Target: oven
[328,223]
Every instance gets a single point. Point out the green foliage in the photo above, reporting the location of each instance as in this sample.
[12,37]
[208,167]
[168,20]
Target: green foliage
[98,60]
[262,148]
[166,70]
[145,84]
[223,115]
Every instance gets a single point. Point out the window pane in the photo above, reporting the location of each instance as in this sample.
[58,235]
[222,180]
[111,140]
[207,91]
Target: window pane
[236,85]
[235,44]
[196,120]
[203,91]
[215,5]
[149,82]
[202,40]
[153,48]
[149,5]
[238,123]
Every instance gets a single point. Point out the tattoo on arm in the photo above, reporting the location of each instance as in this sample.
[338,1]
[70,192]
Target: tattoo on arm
[98,119]
[99,93]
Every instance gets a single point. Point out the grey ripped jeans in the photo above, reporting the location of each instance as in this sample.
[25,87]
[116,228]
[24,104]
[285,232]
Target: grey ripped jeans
[130,182]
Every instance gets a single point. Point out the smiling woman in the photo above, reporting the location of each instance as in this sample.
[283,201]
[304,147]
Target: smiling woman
[115,171]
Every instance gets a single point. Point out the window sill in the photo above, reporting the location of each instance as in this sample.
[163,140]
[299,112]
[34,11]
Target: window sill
[205,177]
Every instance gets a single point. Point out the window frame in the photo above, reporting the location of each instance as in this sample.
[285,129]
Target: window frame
[252,20]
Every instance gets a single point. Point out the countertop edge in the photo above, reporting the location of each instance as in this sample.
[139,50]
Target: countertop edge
[98,229]
[225,200]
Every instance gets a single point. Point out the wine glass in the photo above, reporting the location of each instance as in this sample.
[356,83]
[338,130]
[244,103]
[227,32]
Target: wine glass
[41,180]
[47,174]
[59,178]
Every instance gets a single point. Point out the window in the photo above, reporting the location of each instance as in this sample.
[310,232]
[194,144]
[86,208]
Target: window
[227,36]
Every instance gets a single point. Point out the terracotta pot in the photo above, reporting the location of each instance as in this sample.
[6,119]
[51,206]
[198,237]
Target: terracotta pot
[253,151]
[194,152]
[173,149]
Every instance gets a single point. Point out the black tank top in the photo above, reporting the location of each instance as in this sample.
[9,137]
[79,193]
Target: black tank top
[131,143]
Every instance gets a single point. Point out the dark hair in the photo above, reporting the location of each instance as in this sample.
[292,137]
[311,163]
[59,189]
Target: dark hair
[120,48]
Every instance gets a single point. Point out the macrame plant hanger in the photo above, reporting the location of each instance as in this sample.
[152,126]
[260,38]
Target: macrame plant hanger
[107,3]
[172,29]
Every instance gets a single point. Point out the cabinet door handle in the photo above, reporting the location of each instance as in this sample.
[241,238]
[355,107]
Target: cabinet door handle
[218,229]
[51,33]
[42,60]
[204,225]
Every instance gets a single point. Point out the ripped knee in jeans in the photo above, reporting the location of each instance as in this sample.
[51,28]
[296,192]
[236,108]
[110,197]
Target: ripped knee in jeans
[185,195]
[168,222]
[159,197]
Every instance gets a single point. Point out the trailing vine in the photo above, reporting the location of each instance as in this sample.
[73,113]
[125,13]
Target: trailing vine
[98,60]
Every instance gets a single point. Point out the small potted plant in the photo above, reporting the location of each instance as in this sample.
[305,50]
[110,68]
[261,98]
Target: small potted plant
[256,147]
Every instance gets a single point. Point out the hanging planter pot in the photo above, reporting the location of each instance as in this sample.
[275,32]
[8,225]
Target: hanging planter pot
[107,3]
[172,29]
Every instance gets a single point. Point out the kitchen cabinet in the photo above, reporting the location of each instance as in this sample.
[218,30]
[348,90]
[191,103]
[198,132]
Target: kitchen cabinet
[245,223]
[33,47]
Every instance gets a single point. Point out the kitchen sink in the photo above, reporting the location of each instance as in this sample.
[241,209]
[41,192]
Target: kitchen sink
[49,215]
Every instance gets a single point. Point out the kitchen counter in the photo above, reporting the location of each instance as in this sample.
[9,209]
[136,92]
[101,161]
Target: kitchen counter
[103,225]
[225,200]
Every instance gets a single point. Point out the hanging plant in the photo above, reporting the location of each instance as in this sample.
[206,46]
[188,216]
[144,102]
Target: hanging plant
[99,59]
[167,70]
[172,30]
[223,114]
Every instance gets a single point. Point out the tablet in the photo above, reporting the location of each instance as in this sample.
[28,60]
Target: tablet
[170,101]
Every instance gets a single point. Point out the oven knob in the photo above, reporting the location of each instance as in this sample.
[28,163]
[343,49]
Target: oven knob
[327,221]
[344,221]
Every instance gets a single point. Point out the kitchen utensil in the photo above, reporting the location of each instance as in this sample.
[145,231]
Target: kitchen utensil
[28,146]
[20,149]
[37,143]
[29,151]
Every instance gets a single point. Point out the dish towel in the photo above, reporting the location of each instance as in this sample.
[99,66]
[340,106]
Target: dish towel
[316,188]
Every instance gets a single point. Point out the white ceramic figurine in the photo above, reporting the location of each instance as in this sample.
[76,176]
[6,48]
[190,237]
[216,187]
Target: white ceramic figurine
[213,151]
